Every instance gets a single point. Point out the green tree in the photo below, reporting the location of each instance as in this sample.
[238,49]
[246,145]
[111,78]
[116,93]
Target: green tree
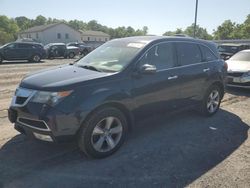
[40,20]
[23,22]
[225,30]
[8,29]
[200,33]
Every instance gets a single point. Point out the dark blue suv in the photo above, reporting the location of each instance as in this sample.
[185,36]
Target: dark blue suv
[97,99]
[30,51]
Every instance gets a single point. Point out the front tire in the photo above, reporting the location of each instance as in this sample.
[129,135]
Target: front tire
[211,101]
[36,58]
[103,133]
[71,55]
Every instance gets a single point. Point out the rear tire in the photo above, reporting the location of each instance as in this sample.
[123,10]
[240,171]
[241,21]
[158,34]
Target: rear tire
[211,101]
[103,133]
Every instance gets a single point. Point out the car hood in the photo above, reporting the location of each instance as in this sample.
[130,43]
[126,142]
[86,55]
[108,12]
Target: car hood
[238,66]
[61,78]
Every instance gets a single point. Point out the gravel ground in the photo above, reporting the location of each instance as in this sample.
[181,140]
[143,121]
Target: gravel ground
[181,150]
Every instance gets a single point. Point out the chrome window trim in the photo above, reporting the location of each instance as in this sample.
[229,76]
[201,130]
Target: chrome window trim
[183,66]
[30,126]
[163,42]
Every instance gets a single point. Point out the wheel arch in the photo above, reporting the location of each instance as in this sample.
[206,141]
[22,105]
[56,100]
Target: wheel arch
[221,86]
[117,105]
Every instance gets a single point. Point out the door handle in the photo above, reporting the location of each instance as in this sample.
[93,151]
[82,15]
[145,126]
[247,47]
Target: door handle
[206,70]
[172,77]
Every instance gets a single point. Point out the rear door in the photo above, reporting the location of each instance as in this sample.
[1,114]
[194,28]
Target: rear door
[158,91]
[193,72]
[24,50]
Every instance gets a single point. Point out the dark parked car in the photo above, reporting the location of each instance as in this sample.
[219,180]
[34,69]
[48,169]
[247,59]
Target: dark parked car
[239,70]
[97,99]
[84,49]
[228,50]
[22,51]
[61,50]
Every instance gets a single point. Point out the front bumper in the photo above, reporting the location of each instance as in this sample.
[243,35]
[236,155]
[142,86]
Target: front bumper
[44,122]
[241,82]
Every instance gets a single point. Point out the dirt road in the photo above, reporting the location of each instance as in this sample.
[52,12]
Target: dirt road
[182,150]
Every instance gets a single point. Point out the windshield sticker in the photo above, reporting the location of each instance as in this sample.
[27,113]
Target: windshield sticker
[135,45]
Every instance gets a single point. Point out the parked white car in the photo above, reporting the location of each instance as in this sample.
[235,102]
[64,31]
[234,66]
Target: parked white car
[239,69]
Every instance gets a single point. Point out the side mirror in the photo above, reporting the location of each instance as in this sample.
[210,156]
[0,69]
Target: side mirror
[148,69]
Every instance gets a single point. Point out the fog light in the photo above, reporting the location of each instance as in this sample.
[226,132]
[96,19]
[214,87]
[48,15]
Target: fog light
[43,137]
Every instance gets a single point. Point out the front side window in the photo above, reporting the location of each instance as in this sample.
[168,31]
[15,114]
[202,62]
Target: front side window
[112,56]
[11,46]
[162,56]
[188,53]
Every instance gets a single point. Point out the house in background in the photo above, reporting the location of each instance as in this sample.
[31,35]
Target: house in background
[51,33]
[94,38]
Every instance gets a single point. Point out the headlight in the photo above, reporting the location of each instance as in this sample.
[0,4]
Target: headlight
[246,74]
[50,98]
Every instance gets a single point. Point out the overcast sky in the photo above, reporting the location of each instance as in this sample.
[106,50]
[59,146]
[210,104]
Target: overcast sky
[158,15]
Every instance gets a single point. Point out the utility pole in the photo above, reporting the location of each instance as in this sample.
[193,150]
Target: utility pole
[195,18]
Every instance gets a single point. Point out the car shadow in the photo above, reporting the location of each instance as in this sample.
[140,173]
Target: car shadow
[165,151]
[238,91]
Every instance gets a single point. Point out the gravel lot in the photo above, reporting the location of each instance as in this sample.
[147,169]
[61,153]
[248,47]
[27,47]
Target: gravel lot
[180,150]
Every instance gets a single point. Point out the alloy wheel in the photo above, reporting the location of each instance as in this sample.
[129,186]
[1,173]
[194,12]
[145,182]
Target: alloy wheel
[106,134]
[213,101]
[36,58]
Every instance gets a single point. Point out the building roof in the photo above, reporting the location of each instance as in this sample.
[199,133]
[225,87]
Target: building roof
[43,27]
[39,28]
[94,33]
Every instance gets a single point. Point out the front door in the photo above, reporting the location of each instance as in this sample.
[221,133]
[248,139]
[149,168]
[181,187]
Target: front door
[160,90]
[10,51]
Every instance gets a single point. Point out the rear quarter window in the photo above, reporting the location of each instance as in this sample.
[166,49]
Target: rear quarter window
[188,53]
[207,54]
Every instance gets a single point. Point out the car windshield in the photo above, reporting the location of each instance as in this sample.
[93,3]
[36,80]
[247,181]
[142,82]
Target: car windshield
[228,49]
[241,56]
[112,56]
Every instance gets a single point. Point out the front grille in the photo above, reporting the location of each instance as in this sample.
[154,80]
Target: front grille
[37,124]
[21,100]
[235,74]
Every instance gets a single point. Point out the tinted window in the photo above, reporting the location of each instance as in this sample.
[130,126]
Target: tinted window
[162,56]
[188,53]
[11,46]
[207,54]
[24,46]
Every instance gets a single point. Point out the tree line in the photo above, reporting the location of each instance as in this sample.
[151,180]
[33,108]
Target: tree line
[9,28]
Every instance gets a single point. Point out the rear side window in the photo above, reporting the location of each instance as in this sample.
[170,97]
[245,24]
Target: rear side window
[207,54]
[188,53]
[162,56]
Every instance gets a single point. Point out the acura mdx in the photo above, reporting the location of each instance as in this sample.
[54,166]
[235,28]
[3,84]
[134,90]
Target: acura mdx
[97,99]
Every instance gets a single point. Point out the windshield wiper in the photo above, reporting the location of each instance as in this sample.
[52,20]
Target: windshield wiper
[90,67]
